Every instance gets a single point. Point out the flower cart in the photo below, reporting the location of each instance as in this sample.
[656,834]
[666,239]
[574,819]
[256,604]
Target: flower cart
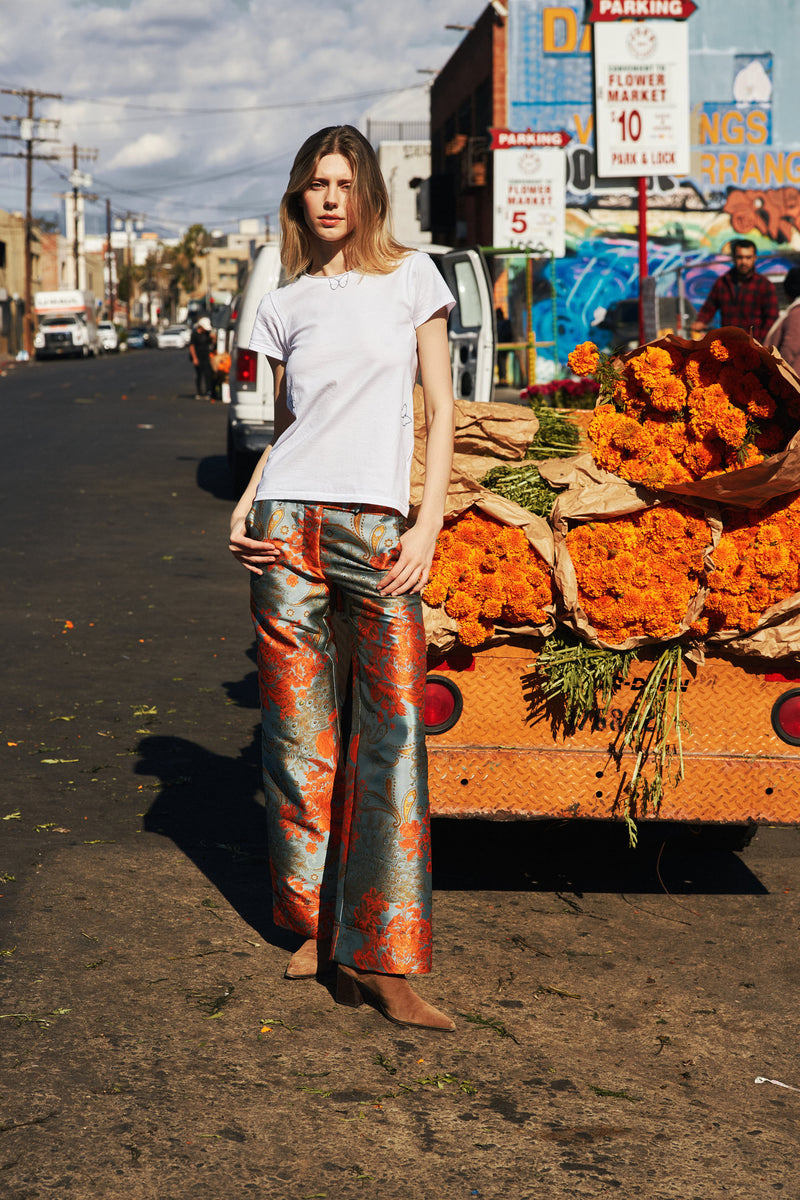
[625,642]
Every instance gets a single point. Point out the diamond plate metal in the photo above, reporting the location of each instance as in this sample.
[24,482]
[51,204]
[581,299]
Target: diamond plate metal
[502,760]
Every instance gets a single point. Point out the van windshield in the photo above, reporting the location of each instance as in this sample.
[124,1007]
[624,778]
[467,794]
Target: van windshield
[70,320]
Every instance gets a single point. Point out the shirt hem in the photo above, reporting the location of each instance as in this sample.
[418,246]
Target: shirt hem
[389,503]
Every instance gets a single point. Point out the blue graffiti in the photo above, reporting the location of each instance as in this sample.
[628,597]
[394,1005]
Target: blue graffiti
[604,272]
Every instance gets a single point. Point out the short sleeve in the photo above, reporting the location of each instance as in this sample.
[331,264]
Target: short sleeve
[430,292]
[269,335]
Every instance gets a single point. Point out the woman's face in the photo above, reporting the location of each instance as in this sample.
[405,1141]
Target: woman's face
[325,201]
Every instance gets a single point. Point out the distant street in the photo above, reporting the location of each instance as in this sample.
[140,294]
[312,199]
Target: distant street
[614,1008]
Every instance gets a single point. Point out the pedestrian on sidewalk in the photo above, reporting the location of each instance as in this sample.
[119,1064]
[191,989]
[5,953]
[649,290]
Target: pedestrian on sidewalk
[785,333]
[200,348]
[322,526]
[741,296]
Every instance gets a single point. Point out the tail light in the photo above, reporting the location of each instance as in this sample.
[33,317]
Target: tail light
[246,366]
[786,717]
[443,704]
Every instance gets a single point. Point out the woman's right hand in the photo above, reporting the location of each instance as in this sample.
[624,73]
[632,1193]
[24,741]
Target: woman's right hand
[253,555]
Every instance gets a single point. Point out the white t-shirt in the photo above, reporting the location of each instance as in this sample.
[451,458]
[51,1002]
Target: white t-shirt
[350,349]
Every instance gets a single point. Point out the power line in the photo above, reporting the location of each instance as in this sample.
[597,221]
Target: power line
[194,111]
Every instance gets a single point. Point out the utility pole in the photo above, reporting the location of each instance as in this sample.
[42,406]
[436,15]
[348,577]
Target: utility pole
[27,134]
[129,218]
[109,265]
[79,180]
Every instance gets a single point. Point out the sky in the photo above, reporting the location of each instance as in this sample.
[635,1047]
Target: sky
[195,110]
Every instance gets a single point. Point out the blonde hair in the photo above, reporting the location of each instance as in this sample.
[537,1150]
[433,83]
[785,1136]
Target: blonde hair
[371,248]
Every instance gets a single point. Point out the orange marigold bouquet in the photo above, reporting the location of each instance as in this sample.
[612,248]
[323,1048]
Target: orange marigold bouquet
[756,566]
[676,412]
[638,574]
[486,573]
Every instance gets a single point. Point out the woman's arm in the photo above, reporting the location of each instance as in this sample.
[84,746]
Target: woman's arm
[410,572]
[250,553]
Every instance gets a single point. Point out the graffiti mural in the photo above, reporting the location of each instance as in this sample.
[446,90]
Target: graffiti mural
[745,164]
[774,214]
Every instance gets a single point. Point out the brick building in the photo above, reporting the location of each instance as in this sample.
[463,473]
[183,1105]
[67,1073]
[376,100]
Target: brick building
[12,278]
[468,98]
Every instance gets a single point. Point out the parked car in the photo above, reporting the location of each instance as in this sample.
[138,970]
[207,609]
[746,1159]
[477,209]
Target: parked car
[142,337]
[109,338]
[174,337]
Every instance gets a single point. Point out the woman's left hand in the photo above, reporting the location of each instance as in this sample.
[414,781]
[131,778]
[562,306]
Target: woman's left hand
[410,572]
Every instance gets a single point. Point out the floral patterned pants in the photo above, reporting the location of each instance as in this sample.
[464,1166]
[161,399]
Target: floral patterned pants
[349,830]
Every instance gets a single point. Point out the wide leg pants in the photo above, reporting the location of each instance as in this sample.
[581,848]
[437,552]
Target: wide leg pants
[349,830]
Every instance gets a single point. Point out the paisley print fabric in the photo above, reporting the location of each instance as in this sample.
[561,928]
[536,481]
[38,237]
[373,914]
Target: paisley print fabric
[349,829]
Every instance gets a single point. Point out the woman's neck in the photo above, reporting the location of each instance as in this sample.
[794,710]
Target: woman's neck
[327,259]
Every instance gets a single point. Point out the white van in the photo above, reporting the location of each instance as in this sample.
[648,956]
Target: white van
[251,415]
[471,332]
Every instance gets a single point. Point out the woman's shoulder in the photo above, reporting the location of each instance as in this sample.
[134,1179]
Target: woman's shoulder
[280,298]
[414,264]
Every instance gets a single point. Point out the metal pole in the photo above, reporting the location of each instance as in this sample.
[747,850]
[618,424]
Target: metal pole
[27,326]
[642,252]
[128,228]
[109,261]
[681,302]
[553,282]
[76,252]
[531,334]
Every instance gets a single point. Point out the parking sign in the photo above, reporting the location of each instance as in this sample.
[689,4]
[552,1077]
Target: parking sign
[642,98]
[529,198]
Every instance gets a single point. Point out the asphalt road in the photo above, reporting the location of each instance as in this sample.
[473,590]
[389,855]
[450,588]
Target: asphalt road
[614,1008]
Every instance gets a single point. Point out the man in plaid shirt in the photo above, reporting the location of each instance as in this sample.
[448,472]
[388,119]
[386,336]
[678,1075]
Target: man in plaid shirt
[741,295]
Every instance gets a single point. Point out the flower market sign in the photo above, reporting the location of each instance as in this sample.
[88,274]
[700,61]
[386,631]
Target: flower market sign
[642,98]
[529,198]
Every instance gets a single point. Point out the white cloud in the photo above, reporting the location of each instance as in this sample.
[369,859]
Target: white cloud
[148,149]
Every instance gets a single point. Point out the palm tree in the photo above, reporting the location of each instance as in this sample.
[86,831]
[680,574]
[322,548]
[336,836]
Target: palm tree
[181,261]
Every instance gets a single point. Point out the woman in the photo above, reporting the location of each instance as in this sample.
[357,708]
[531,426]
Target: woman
[321,525]
[785,333]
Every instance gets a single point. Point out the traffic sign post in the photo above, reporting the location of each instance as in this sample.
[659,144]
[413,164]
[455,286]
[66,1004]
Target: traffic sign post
[642,98]
[530,198]
[641,72]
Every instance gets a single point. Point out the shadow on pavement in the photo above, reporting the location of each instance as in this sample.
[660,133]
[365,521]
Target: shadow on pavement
[588,856]
[210,805]
[213,476]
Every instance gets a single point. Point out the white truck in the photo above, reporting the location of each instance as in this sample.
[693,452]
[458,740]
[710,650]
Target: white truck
[67,326]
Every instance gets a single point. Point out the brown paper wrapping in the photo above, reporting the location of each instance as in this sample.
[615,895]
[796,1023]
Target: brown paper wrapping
[610,499]
[776,635]
[486,436]
[440,629]
[752,486]
[576,472]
